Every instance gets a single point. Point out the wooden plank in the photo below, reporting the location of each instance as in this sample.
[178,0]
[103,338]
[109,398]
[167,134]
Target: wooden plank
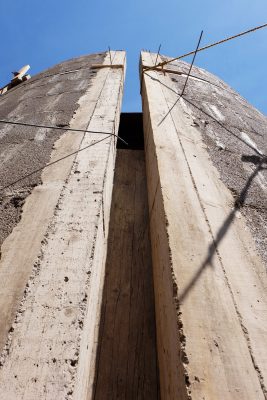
[21,73]
[99,66]
[4,89]
[18,78]
[162,69]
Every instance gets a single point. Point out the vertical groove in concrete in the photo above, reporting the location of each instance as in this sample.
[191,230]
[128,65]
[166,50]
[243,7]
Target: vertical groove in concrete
[127,357]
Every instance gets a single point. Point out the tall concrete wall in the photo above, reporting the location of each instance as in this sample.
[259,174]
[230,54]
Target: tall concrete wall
[206,178]
[54,247]
[77,322]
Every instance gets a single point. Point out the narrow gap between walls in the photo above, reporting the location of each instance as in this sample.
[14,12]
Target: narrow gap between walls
[131,130]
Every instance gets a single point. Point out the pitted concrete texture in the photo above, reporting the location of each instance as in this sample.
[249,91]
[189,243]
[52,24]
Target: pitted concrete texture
[53,262]
[210,284]
[235,134]
[49,98]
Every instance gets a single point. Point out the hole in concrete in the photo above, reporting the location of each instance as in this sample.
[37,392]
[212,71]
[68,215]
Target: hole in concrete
[127,354]
[131,130]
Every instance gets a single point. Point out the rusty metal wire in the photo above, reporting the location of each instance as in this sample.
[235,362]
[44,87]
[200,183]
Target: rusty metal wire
[52,163]
[206,47]
[62,128]
[192,63]
[187,77]
[158,54]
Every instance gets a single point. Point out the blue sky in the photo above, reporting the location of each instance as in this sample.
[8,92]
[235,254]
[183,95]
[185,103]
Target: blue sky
[44,33]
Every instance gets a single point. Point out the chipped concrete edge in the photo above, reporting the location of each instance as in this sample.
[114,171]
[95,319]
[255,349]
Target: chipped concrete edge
[169,385]
[174,381]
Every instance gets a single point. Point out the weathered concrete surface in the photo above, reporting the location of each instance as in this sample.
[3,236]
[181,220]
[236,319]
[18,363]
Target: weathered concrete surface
[214,106]
[49,98]
[52,265]
[210,284]
[127,351]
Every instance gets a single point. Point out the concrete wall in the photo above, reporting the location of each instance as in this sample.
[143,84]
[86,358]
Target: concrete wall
[75,325]
[52,265]
[208,276]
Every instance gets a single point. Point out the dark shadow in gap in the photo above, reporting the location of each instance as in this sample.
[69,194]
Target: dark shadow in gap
[131,130]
